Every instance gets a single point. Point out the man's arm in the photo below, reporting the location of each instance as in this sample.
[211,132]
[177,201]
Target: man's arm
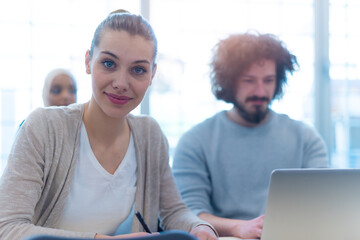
[315,150]
[246,229]
[192,175]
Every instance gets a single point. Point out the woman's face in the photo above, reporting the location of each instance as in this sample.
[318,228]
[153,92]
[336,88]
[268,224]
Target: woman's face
[122,69]
[62,91]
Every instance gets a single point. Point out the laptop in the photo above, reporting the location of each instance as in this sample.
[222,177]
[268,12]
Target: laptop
[313,204]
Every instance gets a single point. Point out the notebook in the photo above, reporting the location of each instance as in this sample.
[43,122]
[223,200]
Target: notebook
[307,204]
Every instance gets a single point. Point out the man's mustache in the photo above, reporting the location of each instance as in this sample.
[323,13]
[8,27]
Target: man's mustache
[254,98]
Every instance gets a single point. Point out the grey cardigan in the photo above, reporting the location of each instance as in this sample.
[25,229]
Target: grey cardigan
[40,169]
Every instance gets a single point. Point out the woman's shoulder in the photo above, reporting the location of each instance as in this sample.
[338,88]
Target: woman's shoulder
[144,125]
[71,110]
[142,121]
[55,115]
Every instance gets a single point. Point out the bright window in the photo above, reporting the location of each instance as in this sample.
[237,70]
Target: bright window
[345,79]
[42,35]
[181,95]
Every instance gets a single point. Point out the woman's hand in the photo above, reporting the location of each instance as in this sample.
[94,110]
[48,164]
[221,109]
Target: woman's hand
[203,232]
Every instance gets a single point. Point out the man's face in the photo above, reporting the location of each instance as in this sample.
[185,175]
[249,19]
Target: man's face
[255,89]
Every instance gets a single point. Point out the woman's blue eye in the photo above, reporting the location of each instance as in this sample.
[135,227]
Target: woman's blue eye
[108,64]
[139,70]
[56,90]
[73,90]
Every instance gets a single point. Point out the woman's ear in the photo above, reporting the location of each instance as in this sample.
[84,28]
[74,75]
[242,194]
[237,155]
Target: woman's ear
[87,62]
[153,74]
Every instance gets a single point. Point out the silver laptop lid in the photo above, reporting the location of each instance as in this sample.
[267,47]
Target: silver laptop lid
[306,204]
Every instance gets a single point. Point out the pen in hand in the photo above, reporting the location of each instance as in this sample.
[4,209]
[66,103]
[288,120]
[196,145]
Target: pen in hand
[141,220]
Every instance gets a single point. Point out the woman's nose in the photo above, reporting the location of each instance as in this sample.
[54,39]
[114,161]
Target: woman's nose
[121,81]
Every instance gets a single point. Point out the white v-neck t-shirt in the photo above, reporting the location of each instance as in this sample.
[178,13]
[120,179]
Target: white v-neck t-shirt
[99,201]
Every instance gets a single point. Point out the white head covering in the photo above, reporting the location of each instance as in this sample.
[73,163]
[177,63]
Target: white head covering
[48,81]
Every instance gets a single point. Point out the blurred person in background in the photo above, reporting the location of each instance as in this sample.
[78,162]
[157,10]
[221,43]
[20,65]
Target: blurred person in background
[59,88]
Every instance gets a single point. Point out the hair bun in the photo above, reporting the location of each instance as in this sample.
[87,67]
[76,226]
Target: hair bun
[119,11]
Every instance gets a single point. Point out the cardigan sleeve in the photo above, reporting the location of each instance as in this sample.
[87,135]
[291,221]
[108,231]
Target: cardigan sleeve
[174,214]
[23,181]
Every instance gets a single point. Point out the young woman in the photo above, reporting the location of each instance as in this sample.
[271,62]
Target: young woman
[85,169]
[59,88]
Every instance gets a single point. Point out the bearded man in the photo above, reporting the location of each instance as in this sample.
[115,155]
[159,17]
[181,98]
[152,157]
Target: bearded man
[222,166]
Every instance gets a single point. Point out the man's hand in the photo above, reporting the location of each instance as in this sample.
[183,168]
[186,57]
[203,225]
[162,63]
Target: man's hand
[203,232]
[245,229]
[248,229]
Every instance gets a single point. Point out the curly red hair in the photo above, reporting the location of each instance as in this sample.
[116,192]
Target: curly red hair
[235,54]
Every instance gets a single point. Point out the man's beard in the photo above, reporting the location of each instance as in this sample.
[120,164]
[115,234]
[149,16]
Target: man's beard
[255,117]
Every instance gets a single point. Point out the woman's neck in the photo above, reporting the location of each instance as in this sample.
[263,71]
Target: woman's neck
[108,137]
[103,128]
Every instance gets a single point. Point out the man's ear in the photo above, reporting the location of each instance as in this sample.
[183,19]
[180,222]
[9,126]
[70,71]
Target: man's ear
[87,62]
[153,73]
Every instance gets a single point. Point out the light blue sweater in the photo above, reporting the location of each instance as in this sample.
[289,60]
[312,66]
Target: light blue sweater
[224,168]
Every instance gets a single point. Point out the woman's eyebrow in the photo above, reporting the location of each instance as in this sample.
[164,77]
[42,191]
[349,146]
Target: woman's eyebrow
[110,53]
[116,57]
[142,61]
